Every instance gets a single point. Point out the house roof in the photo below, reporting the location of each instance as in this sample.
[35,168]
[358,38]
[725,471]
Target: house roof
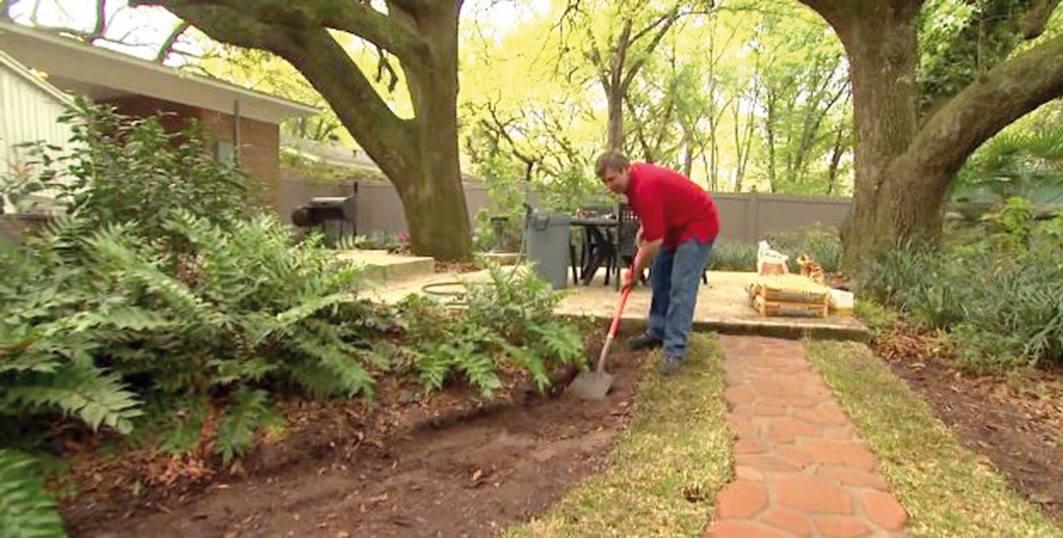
[23,72]
[102,74]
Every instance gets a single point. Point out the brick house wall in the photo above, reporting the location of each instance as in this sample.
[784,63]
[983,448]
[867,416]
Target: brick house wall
[259,152]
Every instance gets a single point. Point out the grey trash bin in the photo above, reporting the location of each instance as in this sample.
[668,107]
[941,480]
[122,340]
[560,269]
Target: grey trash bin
[548,240]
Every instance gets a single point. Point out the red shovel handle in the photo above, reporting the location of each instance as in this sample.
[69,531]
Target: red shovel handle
[623,298]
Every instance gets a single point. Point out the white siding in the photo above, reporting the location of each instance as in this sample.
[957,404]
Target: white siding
[28,113]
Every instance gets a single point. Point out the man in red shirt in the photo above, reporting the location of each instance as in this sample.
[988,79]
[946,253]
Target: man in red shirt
[679,224]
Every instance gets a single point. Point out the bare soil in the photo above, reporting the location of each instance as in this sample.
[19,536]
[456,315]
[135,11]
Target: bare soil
[1016,423]
[464,468]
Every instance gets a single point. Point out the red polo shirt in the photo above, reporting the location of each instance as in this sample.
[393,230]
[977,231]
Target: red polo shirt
[670,206]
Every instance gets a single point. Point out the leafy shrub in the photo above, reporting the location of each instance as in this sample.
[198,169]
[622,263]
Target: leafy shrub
[506,320]
[241,306]
[120,169]
[1003,309]
[1012,225]
[26,509]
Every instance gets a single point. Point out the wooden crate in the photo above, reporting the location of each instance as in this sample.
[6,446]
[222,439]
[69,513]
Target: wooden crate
[789,309]
[788,289]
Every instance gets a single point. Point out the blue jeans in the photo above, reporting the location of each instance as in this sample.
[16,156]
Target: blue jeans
[675,277]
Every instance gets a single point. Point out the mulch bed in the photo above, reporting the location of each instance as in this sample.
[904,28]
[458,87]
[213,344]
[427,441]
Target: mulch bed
[447,464]
[1016,423]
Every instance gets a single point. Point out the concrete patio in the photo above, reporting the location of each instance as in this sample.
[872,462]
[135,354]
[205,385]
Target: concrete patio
[722,307]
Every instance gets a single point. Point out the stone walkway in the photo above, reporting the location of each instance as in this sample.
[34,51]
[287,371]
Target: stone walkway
[800,467]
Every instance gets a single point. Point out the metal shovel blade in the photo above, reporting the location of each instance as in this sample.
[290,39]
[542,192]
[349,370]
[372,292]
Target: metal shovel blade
[594,385]
[591,385]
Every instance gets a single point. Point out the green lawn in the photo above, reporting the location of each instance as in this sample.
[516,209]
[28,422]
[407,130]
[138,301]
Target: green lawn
[666,468]
[947,489]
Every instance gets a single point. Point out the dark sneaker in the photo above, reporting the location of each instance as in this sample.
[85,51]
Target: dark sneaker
[670,365]
[644,341]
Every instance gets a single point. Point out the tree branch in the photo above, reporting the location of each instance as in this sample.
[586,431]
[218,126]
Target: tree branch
[1005,94]
[352,17]
[101,21]
[637,65]
[325,64]
[988,39]
[168,45]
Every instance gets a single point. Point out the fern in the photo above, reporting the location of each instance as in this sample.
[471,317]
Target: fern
[314,378]
[480,369]
[248,411]
[531,361]
[295,315]
[231,370]
[462,352]
[349,377]
[26,509]
[187,427]
[111,247]
[222,261]
[433,366]
[562,341]
[98,398]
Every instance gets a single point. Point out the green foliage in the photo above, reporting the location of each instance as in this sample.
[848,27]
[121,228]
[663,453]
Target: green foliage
[919,281]
[239,305]
[962,40]
[1026,160]
[824,246]
[733,256]
[26,509]
[97,398]
[1004,309]
[1052,231]
[1013,224]
[247,412]
[877,317]
[508,319]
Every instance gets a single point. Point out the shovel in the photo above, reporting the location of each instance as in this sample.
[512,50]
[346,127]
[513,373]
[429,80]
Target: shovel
[594,385]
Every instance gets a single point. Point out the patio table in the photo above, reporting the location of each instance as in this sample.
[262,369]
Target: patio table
[599,242]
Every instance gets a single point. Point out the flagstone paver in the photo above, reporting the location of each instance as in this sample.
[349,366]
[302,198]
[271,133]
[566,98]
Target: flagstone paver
[800,467]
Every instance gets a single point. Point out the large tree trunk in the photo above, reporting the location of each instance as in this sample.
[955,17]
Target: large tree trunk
[429,183]
[880,40]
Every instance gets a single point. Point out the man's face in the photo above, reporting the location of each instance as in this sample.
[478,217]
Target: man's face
[615,180]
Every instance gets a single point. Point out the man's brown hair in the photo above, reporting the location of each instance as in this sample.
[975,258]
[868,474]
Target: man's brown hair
[611,160]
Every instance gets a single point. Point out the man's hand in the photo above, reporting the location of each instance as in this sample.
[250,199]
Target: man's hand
[646,253]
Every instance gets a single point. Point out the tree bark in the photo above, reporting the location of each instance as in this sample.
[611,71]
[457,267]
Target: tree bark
[880,40]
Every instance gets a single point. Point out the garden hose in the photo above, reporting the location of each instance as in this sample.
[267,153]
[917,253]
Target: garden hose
[457,298]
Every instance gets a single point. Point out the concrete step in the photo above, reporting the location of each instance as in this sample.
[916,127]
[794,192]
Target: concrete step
[383,267]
